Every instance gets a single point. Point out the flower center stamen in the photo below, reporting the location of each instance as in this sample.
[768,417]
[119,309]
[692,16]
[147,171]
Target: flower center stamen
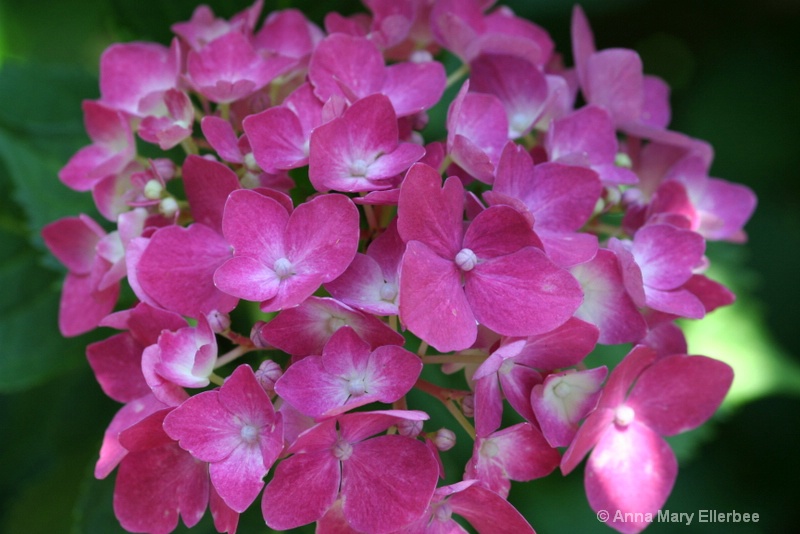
[466,259]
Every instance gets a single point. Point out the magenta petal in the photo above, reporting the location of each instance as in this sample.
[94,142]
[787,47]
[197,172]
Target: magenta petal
[387,483]
[414,87]
[631,471]
[606,303]
[432,302]
[310,388]
[522,294]
[247,278]
[362,286]
[678,302]
[303,488]
[177,270]
[203,427]
[667,255]
[485,510]
[430,212]
[277,139]
[208,184]
[564,346]
[497,231]
[488,405]
[614,81]
[590,432]
[117,365]
[73,240]
[82,307]
[239,478]
[220,135]
[156,486]
[322,236]
[354,62]
[679,393]
[262,239]
[526,454]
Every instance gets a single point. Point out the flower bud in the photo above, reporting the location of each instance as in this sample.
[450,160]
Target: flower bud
[256,337]
[267,374]
[408,428]
[444,439]
[468,405]
[219,322]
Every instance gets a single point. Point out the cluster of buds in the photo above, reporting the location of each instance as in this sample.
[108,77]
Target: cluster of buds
[314,249]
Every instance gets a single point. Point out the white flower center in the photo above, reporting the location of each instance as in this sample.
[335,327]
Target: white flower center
[562,389]
[623,416]
[388,292]
[356,387]
[442,511]
[466,259]
[249,433]
[358,169]
[489,449]
[283,268]
[335,323]
[342,450]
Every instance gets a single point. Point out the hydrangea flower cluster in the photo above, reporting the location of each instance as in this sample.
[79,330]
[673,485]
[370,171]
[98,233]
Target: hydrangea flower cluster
[314,248]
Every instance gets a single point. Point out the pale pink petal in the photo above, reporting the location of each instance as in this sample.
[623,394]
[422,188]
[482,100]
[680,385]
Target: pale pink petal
[630,471]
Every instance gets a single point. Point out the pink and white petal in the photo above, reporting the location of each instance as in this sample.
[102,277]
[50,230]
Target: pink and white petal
[322,236]
[156,67]
[678,393]
[522,294]
[371,125]
[606,304]
[346,353]
[239,478]
[392,372]
[429,212]
[582,41]
[303,488]
[361,286]
[472,158]
[387,483]
[177,270]
[310,388]
[414,87]
[225,519]
[586,133]
[292,291]
[247,278]
[204,428]
[262,239]
[358,426]
[631,471]
[277,139]
[395,162]
[432,302]
[242,395]
[563,400]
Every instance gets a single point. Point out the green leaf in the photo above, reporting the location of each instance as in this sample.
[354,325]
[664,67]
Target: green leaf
[33,349]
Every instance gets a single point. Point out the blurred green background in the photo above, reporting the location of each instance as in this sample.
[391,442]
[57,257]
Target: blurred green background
[734,69]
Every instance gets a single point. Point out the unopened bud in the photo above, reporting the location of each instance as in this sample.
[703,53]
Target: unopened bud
[168,207]
[267,374]
[219,322]
[420,56]
[153,189]
[468,405]
[257,338]
[444,439]
[408,428]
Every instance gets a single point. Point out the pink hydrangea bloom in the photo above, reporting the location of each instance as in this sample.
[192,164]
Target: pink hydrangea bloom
[631,468]
[236,430]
